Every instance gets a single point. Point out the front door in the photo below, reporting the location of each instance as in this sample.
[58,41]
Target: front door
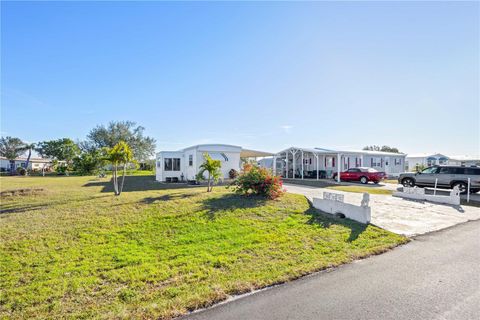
[387,165]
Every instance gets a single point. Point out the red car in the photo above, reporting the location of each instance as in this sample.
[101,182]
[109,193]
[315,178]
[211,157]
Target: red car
[362,174]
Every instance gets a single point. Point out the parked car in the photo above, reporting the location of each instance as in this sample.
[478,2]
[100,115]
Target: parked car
[448,177]
[362,174]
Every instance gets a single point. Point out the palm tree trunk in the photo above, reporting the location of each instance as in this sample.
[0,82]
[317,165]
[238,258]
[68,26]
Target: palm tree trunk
[28,159]
[115,181]
[208,189]
[123,178]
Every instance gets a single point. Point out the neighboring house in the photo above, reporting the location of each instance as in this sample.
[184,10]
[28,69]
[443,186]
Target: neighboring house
[184,164]
[425,159]
[464,160]
[36,164]
[316,162]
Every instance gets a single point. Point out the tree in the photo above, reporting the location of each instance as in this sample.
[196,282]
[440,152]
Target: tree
[127,131]
[29,147]
[59,150]
[88,162]
[212,167]
[383,149]
[119,155]
[11,148]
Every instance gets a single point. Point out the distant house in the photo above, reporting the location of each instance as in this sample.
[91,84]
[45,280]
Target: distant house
[35,164]
[316,163]
[183,165]
[464,160]
[425,160]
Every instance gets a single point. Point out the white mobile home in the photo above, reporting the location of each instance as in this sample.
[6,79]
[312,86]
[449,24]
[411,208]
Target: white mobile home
[425,160]
[35,164]
[183,165]
[317,163]
[464,160]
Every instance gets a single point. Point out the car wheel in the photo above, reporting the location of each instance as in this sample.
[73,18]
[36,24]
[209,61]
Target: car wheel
[462,186]
[376,182]
[364,180]
[408,182]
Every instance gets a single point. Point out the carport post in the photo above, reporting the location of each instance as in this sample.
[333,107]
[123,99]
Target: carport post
[316,157]
[338,167]
[468,190]
[286,166]
[302,164]
[293,165]
[274,166]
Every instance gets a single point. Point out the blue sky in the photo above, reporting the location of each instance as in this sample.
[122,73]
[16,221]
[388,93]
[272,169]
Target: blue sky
[260,75]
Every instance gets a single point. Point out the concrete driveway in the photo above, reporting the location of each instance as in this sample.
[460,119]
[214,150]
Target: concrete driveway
[399,215]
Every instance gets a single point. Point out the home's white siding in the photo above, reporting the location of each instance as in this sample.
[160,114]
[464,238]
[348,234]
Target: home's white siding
[228,155]
[35,164]
[426,160]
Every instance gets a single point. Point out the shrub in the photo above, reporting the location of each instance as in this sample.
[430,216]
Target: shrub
[254,180]
[233,174]
[88,163]
[21,171]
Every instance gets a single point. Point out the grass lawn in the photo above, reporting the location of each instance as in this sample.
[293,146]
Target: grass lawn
[361,189]
[71,249]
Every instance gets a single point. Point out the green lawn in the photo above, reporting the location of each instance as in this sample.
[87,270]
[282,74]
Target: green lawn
[71,249]
[361,189]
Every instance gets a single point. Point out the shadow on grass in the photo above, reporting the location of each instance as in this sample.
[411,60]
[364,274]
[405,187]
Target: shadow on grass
[137,183]
[326,220]
[230,201]
[167,197]
[21,208]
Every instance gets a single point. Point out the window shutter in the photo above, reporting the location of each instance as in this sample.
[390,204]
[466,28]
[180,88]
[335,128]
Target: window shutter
[333,162]
[371,162]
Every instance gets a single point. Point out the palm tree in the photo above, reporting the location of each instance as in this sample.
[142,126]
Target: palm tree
[11,148]
[212,167]
[29,147]
[119,155]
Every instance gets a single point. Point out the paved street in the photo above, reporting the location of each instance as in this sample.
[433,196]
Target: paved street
[400,215]
[436,276]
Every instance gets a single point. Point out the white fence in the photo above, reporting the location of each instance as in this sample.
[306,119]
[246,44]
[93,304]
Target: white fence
[419,194]
[333,203]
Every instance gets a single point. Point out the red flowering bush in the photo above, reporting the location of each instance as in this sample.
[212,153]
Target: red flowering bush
[254,180]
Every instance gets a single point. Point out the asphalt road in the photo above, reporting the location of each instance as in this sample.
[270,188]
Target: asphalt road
[436,276]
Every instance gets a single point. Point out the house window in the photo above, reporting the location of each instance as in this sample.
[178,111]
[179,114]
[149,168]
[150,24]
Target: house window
[376,162]
[329,162]
[168,164]
[172,164]
[190,160]
[176,164]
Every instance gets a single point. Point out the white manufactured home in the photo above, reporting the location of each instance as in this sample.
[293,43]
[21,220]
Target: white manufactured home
[318,163]
[432,159]
[183,165]
[425,160]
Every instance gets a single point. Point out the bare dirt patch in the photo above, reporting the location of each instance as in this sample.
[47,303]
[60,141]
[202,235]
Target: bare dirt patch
[22,192]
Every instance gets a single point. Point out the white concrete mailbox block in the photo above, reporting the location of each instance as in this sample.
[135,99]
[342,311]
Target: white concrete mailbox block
[333,203]
[419,194]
